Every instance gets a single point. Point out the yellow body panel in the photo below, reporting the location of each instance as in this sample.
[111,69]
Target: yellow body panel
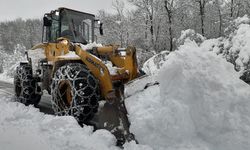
[52,50]
[127,64]
[99,70]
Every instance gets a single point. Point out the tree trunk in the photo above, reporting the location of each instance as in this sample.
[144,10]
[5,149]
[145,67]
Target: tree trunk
[170,33]
[220,21]
[152,30]
[202,14]
[146,28]
[232,8]
[169,13]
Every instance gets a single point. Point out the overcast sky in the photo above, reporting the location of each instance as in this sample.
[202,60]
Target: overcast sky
[11,9]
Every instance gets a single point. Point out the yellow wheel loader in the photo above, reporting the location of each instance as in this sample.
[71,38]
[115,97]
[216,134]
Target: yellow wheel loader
[75,72]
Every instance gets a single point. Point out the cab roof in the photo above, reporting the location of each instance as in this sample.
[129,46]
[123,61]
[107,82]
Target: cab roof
[64,8]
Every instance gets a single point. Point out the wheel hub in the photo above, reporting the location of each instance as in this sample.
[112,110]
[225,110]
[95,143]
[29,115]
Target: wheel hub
[65,90]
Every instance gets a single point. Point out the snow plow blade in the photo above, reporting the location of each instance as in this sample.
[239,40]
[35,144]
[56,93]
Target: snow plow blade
[113,117]
[139,84]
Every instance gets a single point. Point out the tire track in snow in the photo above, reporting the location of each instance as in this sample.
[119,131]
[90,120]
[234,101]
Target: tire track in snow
[6,92]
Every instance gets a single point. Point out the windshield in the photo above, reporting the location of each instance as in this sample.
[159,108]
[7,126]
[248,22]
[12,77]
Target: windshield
[76,26]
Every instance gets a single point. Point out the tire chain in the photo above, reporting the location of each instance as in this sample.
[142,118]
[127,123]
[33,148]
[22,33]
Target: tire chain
[25,80]
[77,107]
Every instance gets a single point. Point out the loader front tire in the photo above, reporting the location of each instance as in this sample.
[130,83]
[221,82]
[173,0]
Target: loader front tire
[75,92]
[25,86]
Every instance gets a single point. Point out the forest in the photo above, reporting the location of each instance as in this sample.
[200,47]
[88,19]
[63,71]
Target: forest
[152,25]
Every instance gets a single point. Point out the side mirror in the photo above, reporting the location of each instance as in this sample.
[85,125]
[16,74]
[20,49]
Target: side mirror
[47,22]
[101,29]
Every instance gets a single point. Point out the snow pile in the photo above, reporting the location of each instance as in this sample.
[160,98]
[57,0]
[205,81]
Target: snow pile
[200,104]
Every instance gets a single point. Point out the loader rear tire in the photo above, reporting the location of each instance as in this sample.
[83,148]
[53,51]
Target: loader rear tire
[25,86]
[75,92]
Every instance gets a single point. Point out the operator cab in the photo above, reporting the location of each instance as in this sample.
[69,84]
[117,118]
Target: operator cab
[77,26]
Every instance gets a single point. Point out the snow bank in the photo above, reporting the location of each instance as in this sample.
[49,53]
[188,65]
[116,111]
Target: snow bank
[25,128]
[200,104]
